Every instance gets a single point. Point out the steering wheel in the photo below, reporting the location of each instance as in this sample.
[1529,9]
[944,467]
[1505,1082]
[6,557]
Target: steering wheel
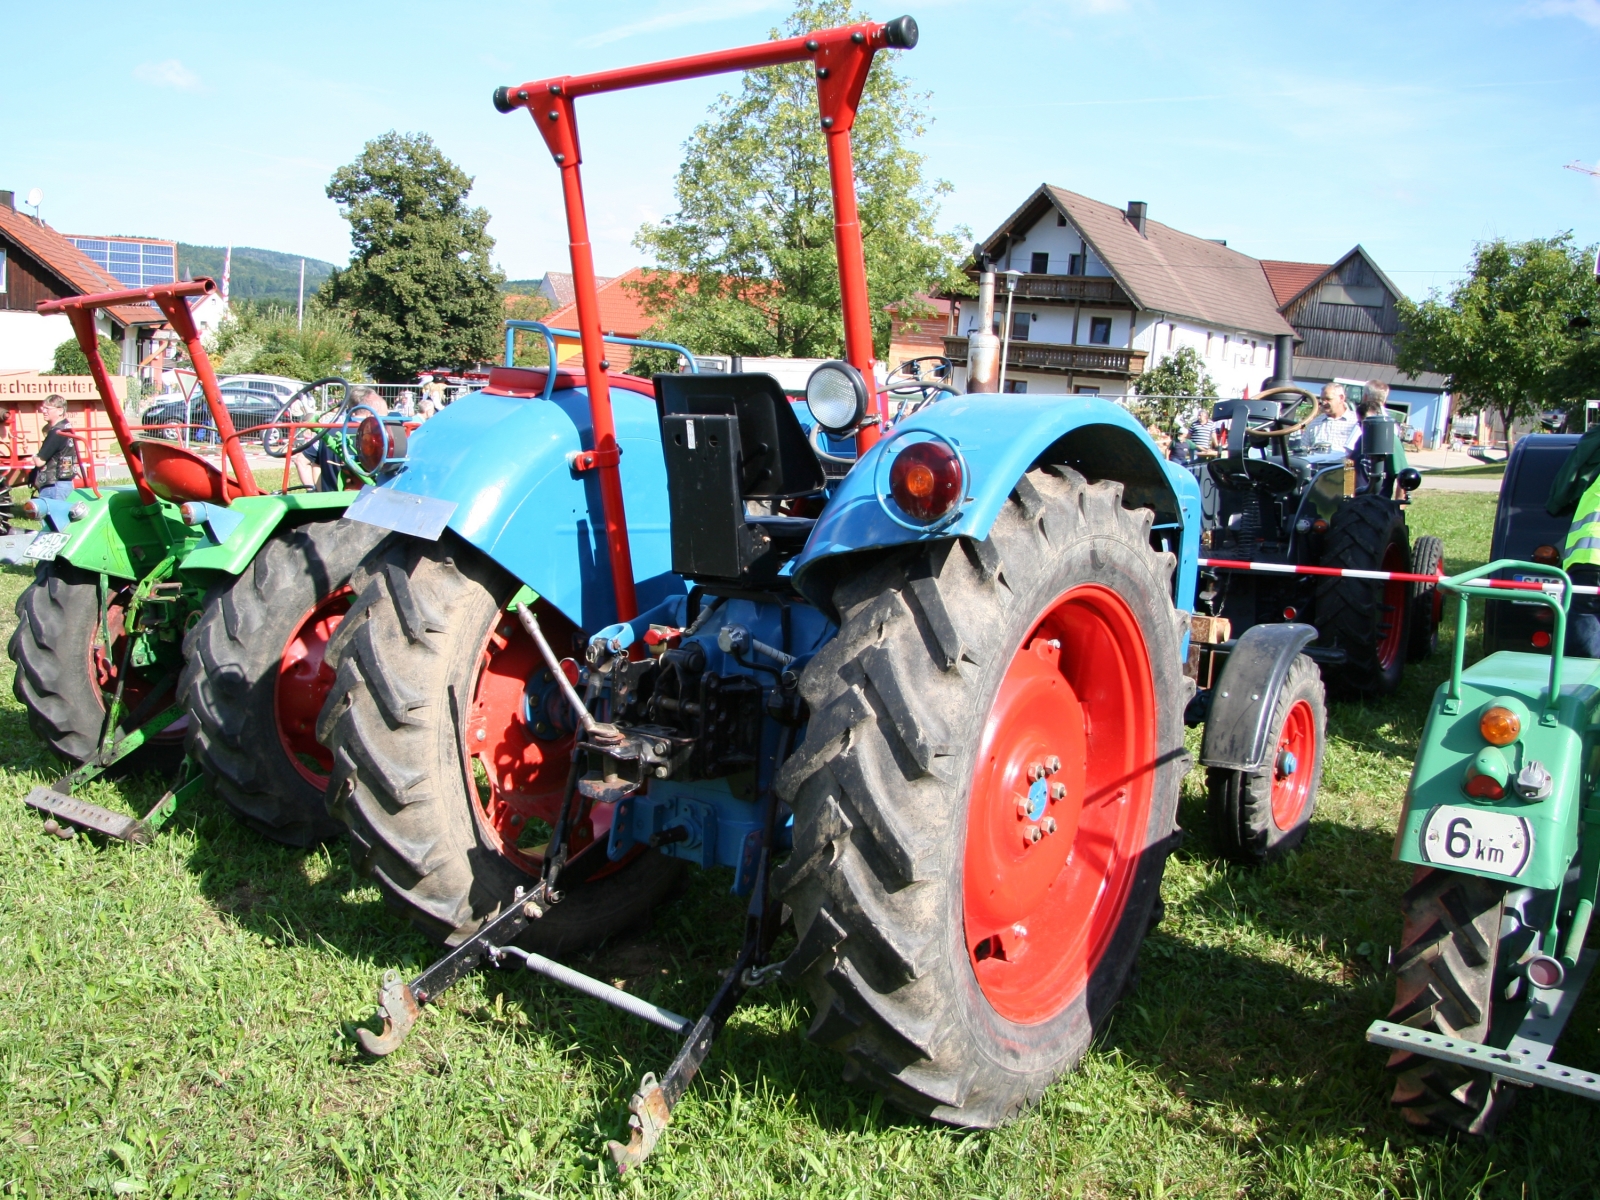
[1286,413]
[275,441]
[918,382]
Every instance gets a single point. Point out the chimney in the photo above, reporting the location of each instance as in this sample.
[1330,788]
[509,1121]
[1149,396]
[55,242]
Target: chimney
[8,200]
[1136,212]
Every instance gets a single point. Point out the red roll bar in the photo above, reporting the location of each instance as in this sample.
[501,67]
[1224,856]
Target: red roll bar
[842,57]
[172,300]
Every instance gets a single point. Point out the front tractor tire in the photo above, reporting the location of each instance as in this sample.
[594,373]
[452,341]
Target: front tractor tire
[985,799]
[255,677]
[1258,816]
[440,772]
[1427,601]
[67,673]
[1369,620]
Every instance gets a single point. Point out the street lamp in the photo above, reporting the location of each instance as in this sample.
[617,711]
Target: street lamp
[1005,336]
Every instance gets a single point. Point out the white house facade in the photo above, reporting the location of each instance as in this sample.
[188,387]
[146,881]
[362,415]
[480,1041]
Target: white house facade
[1103,293]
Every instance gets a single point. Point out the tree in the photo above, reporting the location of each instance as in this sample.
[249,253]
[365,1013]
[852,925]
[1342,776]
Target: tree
[1504,336]
[420,291]
[531,351]
[1173,385]
[71,360]
[749,265]
[267,338]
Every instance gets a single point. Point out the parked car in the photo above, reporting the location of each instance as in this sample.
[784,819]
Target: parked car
[251,400]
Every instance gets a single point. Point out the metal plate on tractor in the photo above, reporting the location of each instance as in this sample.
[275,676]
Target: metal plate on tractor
[1494,843]
[419,516]
[45,547]
[1504,1063]
[89,816]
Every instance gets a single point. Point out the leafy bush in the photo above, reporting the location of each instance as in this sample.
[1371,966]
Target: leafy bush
[267,339]
[71,360]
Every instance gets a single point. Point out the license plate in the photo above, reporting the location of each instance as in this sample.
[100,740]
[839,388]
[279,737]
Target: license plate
[45,547]
[1493,842]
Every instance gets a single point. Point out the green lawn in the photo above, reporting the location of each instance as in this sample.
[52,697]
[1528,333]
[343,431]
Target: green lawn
[1494,470]
[175,1021]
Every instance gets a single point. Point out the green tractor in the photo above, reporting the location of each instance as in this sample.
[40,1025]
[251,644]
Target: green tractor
[188,610]
[1497,821]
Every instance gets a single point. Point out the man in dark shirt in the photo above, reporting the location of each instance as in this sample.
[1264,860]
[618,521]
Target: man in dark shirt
[57,460]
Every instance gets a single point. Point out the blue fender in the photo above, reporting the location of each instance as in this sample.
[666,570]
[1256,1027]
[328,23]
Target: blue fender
[504,463]
[1001,437]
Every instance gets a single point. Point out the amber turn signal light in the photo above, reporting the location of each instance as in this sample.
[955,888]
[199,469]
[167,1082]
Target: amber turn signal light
[1499,726]
[1548,555]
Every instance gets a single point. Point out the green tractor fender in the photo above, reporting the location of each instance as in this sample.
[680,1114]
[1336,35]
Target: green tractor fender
[233,536]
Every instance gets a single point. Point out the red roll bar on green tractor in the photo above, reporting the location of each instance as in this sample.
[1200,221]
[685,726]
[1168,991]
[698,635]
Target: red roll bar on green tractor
[842,58]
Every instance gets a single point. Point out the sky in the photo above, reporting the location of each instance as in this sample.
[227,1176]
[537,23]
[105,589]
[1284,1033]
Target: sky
[1292,131]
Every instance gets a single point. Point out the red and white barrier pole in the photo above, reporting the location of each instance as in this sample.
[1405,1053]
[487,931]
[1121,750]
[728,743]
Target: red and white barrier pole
[1510,585]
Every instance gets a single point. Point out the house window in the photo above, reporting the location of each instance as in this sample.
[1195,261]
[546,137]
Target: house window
[1075,264]
[1041,263]
[1099,331]
[1019,386]
[1019,326]
[1061,219]
[2,272]
[1085,391]
[1171,329]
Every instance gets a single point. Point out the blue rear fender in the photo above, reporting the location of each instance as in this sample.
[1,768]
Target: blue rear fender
[505,463]
[1002,437]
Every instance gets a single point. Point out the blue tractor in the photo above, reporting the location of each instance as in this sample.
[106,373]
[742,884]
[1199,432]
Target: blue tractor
[920,683]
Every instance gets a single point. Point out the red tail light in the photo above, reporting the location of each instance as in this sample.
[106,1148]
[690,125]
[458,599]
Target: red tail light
[926,481]
[372,444]
[1540,639]
[1484,787]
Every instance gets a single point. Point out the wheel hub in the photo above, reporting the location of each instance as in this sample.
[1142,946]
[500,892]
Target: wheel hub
[1060,797]
[304,680]
[1296,759]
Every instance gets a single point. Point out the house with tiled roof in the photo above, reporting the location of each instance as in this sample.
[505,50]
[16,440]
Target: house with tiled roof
[622,314]
[1345,318]
[1102,293]
[36,264]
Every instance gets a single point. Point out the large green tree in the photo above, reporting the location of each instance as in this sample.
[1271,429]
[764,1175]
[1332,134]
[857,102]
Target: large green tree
[748,258]
[420,291]
[1505,336]
[1177,382]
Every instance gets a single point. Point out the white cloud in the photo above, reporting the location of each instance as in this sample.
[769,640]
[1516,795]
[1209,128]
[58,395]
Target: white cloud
[1587,11]
[676,20]
[168,73]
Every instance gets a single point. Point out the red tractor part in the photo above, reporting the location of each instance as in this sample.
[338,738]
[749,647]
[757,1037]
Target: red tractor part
[842,57]
[172,300]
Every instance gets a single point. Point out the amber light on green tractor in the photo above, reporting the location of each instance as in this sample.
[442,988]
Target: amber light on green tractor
[1500,725]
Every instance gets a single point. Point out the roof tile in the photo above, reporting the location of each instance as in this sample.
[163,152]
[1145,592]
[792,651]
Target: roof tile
[70,264]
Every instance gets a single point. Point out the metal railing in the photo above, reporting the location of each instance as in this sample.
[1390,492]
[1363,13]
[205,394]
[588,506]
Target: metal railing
[1054,356]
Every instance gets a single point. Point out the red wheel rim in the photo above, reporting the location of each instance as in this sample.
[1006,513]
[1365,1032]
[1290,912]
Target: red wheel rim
[105,661]
[304,680]
[1293,762]
[515,776]
[1039,914]
[1391,612]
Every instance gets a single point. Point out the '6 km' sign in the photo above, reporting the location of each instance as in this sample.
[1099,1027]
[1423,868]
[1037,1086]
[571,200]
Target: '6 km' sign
[1492,842]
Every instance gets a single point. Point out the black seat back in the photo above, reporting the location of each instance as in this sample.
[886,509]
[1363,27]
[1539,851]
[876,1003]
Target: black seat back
[775,460]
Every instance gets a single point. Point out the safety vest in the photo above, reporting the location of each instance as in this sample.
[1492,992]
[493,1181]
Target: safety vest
[1583,539]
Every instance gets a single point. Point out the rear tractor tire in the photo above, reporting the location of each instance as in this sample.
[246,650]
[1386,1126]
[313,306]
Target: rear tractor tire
[66,674]
[255,677]
[1446,971]
[1259,816]
[985,799]
[1370,621]
[441,767]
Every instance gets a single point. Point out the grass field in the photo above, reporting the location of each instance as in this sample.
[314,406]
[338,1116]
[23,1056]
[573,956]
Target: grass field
[176,1021]
[1495,470]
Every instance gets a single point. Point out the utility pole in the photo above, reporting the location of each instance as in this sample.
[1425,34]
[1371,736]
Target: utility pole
[300,311]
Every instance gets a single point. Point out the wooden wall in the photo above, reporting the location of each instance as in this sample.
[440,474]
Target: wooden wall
[1352,332]
[27,282]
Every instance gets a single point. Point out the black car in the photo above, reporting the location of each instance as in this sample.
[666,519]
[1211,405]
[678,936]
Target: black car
[251,401]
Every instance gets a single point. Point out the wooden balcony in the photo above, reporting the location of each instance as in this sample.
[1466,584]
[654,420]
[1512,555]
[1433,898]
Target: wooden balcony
[1100,290]
[1055,359]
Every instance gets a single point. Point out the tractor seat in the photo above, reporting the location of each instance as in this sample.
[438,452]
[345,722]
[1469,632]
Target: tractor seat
[178,474]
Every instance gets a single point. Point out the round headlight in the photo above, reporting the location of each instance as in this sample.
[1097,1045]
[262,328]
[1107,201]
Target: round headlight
[836,394]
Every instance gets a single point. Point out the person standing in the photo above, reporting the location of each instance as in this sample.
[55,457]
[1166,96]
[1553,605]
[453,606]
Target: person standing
[1335,430]
[57,461]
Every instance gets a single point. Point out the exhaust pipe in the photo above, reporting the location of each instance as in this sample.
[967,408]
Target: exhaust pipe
[983,345]
[1283,360]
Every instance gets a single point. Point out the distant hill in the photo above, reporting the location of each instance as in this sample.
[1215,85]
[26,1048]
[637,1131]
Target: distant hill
[515,287]
[256,274]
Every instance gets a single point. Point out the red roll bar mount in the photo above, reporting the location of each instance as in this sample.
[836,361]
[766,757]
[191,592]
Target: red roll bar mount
[172,300]
[841,58]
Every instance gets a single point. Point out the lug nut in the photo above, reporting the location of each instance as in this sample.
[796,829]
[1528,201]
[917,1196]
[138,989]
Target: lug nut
[1022,809]
[482,735]
[1052,765]
[1058,791]
[1049,825]
[1031,834]
[1035,771]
